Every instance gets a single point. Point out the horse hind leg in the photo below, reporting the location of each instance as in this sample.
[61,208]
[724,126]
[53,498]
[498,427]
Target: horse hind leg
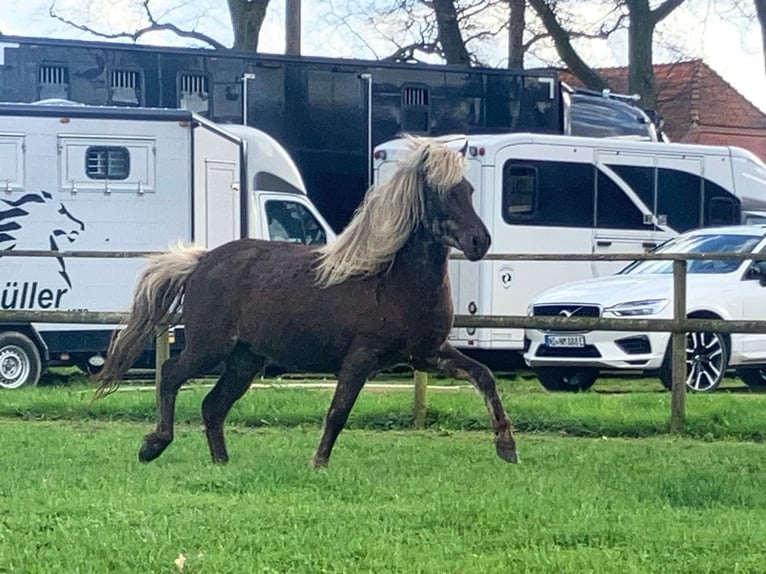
[241,366]
[175,372]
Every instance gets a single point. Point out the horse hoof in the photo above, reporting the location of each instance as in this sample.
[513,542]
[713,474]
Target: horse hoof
[319,462]
[507,451]
[151,449]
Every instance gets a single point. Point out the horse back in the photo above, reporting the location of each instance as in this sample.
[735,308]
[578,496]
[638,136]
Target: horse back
[265,294]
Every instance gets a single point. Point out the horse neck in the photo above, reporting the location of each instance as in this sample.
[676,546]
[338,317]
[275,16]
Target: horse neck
[423,258]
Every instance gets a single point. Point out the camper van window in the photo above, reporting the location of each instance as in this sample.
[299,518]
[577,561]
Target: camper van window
[107,162]
[679,196]
[721,210]
[640,179]
[519,189]
[292,222]
[554,193]
[614,209]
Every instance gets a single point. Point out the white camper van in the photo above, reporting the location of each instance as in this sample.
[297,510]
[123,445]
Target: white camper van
[562,194]
[108,179]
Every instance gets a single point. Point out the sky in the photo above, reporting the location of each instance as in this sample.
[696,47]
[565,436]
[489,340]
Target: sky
[728,43]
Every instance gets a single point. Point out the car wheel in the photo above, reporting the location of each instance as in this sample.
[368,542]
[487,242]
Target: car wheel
[753,376]
[20,363]
[571,379]
[707,357]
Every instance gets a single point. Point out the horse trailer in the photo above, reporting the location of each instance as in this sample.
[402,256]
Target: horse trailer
[107,179]
[328,113]
[564,195]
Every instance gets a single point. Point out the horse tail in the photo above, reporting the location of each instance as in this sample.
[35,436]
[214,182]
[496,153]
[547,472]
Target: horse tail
[158,295]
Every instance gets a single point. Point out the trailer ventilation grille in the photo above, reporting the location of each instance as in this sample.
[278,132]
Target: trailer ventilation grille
[56,75]
[194,93]
[415,109]
[107,162]
[52,82]
[125,85]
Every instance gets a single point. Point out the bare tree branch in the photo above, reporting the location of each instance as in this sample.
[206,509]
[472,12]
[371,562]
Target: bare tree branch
[154,26]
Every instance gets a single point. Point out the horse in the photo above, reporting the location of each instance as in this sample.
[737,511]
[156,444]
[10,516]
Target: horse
[13,232]
[376,297]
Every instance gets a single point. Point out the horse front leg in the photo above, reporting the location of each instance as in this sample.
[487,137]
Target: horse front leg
[358,364]
[455,364]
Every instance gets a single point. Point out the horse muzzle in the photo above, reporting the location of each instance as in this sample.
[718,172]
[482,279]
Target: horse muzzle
[475,245]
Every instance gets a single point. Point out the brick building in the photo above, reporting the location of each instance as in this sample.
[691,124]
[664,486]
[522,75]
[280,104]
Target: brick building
[699,106]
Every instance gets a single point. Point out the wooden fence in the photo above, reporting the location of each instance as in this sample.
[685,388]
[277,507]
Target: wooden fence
[678,326]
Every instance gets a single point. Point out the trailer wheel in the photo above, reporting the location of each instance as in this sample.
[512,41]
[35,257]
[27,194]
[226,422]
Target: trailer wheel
[20,363]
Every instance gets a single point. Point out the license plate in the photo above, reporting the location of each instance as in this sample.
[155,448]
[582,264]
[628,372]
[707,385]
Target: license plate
[564,340]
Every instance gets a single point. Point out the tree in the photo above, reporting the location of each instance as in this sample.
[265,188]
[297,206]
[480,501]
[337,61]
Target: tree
[516,26]
[247,17]
[760,11]
[642,21]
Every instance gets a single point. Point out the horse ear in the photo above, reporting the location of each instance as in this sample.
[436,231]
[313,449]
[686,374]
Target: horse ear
[464,148]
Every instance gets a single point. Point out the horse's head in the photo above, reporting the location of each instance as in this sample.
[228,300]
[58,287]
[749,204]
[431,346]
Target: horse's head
[448,212]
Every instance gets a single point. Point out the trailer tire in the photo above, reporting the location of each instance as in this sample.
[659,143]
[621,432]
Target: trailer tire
[20,363]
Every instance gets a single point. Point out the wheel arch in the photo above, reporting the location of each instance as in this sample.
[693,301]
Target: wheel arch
[29,330]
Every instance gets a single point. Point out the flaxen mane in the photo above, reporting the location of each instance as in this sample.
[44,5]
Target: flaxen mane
[389,213]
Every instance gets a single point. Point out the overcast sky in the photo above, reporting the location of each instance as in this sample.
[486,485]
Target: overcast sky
[731,47]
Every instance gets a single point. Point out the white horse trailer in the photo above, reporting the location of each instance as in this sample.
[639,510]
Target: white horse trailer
[108,179]
[561,194]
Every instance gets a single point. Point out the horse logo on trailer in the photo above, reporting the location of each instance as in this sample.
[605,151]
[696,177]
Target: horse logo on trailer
[17,232]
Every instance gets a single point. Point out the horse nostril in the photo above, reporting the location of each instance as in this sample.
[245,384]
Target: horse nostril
[481,241]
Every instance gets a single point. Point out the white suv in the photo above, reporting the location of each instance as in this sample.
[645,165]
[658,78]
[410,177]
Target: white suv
[725,289]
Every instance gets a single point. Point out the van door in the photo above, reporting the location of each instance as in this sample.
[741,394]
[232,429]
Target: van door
[625,207]
[222,223]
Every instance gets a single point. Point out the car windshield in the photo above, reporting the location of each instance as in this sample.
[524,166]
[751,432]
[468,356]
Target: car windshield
[698,243]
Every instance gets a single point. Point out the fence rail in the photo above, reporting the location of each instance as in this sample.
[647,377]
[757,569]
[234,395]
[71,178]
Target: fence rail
[678,326]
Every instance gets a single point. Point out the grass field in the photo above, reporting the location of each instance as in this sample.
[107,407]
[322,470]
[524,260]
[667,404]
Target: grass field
[587,497]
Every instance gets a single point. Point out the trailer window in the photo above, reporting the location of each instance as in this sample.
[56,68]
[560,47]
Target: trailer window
[519,187]
[679,197]
[194,93]
[614,209]
[107,162]
[552,193]
[125,87]
[52,82]
[415,109]
[722,211]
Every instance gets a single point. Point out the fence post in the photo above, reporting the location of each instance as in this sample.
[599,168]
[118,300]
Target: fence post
[678,348]
[161,354]
[419,407]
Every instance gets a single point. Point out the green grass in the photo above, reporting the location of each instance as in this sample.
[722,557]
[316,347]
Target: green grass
[75,499]
[727,414]
[601,487]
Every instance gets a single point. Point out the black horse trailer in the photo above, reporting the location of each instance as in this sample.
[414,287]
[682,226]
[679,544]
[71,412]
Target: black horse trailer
[328,113]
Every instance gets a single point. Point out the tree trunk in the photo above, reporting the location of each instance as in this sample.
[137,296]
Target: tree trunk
[760,10]
[566,51]
[641,70]
[643,21]
[450,37]
[246,20]
[516,24]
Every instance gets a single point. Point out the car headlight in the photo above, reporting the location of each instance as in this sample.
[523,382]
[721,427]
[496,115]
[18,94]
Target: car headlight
[638,308]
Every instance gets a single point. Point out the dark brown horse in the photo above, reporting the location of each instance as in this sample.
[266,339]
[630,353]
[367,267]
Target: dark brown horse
[377,297]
